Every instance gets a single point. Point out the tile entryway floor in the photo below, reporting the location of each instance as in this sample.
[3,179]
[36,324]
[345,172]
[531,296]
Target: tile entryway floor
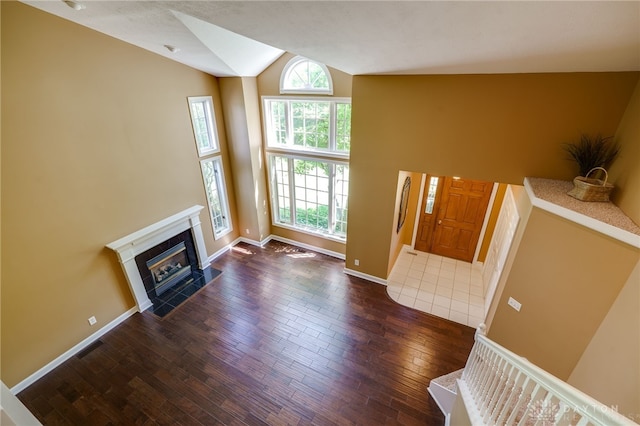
[444,287]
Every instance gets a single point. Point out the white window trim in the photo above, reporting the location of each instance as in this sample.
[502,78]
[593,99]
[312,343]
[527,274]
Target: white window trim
[212,129]
[291,64]
[332,237]
[299,150]
[292,208]
[222,193]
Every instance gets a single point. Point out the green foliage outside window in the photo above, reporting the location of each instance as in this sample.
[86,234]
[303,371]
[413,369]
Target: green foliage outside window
[343,127]
[311,124]
[316,218]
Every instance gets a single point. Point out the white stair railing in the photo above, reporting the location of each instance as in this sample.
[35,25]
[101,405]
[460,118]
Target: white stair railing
[499,387]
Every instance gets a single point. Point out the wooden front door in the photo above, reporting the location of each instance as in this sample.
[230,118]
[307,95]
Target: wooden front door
[460,216]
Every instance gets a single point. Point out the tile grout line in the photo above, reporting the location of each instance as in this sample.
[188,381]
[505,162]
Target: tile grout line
[452,294]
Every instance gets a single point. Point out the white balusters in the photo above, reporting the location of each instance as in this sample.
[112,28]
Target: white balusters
[501,388]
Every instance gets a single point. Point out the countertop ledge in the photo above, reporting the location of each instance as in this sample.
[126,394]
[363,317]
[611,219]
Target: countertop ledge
[606,218]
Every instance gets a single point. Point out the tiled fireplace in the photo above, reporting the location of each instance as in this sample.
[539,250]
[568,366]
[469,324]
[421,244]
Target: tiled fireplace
[165,251]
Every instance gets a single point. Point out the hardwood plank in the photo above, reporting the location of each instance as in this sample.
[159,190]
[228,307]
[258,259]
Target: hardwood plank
[276,340]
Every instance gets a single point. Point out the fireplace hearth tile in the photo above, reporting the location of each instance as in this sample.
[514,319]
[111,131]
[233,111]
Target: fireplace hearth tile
[174,297]
[190,290]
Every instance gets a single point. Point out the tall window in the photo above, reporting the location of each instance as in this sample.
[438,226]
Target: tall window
[431,194]
[204,126]
[308,141]
[213,176]
[206,137]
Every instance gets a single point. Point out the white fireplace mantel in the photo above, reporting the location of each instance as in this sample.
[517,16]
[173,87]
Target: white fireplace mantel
[140,241]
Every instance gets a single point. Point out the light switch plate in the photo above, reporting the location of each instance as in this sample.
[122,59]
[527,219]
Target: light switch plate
[514,304]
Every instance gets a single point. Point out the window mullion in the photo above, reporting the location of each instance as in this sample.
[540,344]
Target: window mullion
[333,118]
[289,119]
[292,191]
[208,122]
[221,191]
[332,201]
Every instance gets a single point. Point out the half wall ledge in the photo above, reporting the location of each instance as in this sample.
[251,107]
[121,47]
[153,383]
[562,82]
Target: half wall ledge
[130,246]
[604,217]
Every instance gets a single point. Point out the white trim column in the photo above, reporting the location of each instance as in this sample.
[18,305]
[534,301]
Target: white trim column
[198,239]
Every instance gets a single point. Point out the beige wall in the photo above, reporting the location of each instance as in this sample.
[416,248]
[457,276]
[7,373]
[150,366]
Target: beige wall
[609,369]
[566,277]
[499,128]
[625,171]
[269,85]
[96,137]
[242,121]
[412,208]
[402,237]
[0,190]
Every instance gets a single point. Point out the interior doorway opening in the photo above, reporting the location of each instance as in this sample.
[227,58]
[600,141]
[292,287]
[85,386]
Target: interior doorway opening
[440,284]
[453,215]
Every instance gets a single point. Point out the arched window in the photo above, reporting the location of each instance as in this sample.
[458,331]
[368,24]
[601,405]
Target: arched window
[307,141]
[302,75]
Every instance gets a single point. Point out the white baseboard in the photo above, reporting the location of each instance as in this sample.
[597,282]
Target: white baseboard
[222,251]
[337,255]
[276,238]
[364,276]
[229,246]
[307,246]
[253,242]
[71,352]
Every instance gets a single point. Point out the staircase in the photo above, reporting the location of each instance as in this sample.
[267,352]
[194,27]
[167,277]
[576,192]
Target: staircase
[443,390]
[499,387]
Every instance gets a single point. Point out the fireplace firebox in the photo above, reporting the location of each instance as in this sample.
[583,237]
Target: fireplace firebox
[169,268]
[167,264]
[170,272]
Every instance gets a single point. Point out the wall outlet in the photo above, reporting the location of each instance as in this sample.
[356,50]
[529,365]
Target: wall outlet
[356,262]
[92,321]
[514,304]
[247,231]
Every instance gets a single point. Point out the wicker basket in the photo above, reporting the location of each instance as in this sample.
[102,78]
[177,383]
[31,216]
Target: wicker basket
[590,189]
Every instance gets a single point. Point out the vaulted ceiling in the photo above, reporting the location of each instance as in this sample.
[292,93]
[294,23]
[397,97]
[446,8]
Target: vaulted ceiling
[242,38]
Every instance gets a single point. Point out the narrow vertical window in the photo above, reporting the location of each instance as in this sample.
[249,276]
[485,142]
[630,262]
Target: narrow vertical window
[204,128]
[282,189]
[431,194]
[341,196]
[213,177]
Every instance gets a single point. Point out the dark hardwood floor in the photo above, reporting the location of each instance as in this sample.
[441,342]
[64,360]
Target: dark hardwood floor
[282,337]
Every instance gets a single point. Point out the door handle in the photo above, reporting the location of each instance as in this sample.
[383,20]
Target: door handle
[440,222]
